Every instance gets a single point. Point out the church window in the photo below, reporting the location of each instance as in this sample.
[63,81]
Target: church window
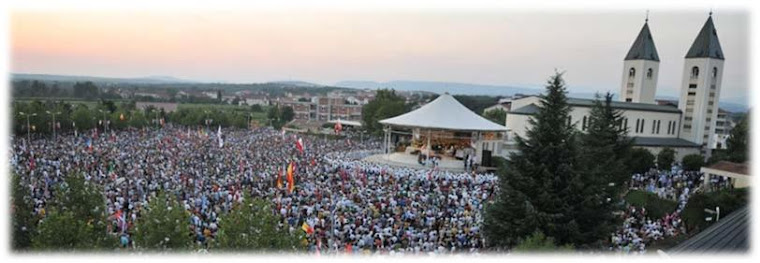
[631,72]
[692,86]
[694,72]
[654,125]
[649,73]
[715,72]
[628,100]
[692,93]
[583,127]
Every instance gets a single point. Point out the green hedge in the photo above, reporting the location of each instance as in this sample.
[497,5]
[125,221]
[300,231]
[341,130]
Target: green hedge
[656,207]
[728,200]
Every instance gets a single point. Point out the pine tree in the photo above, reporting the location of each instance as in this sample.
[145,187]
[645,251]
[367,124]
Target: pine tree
[605,149]
[535,189]
[164,225]
[253,225]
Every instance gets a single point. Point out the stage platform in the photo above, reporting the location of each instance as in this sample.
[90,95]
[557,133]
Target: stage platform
[410,160]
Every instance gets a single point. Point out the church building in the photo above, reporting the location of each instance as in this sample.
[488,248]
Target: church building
[688,127]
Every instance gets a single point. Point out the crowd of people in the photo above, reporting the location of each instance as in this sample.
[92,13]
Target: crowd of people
[353,206]
[639,229]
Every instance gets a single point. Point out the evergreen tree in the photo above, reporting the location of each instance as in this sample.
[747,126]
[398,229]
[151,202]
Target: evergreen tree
[737,142]
[605,149]
[253,225]
[535,189]
[164,225]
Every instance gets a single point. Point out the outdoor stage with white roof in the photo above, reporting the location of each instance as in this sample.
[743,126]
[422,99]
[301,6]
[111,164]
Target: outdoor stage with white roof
[443,128]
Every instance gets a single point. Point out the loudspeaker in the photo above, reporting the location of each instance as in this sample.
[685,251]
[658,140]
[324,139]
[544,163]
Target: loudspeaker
[486,160]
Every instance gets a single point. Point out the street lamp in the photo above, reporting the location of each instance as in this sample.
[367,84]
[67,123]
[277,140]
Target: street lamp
[28,126]
[105,125]
[54,113]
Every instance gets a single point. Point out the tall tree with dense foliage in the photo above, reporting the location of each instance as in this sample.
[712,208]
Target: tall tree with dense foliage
[76,219]
[253,225]
[665,158]
[535,188]
[605,149]
[385,105]
[164,225]
[737,141]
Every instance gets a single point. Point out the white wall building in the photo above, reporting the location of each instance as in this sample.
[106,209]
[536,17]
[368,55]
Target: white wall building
[687,129]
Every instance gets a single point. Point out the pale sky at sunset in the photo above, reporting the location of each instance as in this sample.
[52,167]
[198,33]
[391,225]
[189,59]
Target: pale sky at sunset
[483,47]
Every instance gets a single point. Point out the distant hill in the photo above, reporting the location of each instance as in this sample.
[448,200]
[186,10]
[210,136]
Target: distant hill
[68,78]
[298,83]
[453,88]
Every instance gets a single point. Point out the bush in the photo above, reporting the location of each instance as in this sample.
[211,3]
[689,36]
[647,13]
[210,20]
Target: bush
[693,162]
[641,160]
[656,207]
[728,200]
[665,158]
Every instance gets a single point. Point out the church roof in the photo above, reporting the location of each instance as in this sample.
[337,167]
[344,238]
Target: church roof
[663,142]
[643,47]
[531,109]
[706,45]
[445,113]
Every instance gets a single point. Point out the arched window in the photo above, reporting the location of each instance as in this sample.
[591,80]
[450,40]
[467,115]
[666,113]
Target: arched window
[694,72]
[649,73]
[715,72]
[631,72]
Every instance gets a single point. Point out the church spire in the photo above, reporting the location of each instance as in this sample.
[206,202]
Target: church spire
[643,47]
[706,45]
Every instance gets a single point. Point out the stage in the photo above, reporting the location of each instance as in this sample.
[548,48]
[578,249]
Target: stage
[400,159]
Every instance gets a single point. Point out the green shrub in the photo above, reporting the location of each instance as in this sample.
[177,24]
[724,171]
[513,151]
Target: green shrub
[728,200]
[693,162]
[656,207]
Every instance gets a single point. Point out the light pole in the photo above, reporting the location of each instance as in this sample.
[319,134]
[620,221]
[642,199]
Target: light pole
[105,125]
[53,113]
[28,126]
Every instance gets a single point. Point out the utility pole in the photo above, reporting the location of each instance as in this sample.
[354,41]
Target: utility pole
[28,125]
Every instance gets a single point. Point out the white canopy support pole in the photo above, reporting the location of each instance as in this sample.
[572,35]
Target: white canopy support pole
[428,144]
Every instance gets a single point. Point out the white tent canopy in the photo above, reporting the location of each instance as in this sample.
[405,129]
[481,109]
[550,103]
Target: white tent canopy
[445,113]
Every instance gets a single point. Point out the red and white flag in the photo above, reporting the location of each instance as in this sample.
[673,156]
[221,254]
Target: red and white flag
[299,145]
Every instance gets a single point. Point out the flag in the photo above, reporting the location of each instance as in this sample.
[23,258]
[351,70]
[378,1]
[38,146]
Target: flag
[306,228]
[89,144]
[279,178]
[219,135]
[338,127]
[299,145]
[32,163]
[291,183]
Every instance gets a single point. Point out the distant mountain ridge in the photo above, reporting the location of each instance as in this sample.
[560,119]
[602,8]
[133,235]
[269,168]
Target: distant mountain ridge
[141,80]
[455,88]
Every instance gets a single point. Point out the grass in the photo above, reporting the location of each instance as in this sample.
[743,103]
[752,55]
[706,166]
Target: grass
[656,207]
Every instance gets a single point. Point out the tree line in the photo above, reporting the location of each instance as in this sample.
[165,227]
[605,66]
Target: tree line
[36,117]
[75,219]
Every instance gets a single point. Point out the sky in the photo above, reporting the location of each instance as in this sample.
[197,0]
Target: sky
[323,46]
